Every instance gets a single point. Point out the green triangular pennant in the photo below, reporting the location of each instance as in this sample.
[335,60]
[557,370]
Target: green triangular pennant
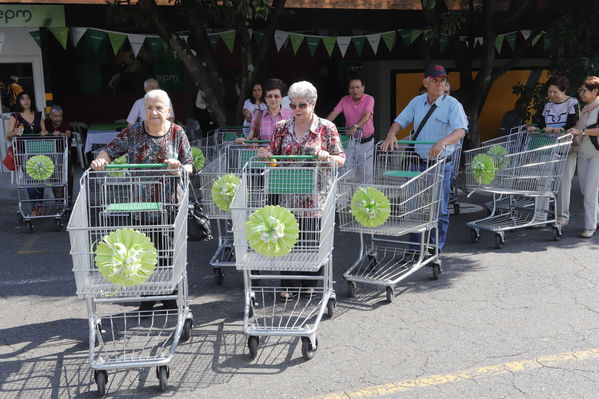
[443,42]
[62,35]
[156,44]
[511,39]
[389,39]
[329,44]
[35,34]
[536,39]
[405,37]
[213,40]
[229,39]
[116,41]
[359,43]
[499,43]
[296,41]
[96,37]
[313,42]
[415,34]
[258,35]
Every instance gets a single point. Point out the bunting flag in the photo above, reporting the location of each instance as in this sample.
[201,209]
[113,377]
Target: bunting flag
[296,41]
[250,32]
[156,44]
[415,34]
[2,37]
[229,39]
[536,38]
[374,41]
[443,39]
[478,40]
[96,38]
[35,34]
[136,41]
[389,39]
[525,34]
[405,37]
[499,43]
[213,39]
[62,35]
[359,44]
[343,43]
[329,44]
[76,35]
[280,38]
[258,36]
[116,41]
[313,42]
[511,39]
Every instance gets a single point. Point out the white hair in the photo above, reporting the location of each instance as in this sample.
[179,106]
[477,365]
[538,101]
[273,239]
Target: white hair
[303,89]
[148,81]
[158,94]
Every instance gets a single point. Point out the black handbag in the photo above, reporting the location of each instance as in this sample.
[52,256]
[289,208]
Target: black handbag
[198,224]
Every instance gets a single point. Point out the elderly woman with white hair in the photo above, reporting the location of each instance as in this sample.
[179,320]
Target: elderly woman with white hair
[304,133]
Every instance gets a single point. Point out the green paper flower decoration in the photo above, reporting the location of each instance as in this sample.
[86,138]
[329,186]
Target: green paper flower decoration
[198,158]
[39,167]
[370,207]
[223,191]
[498,153]
[126,257]
[483,169]
[118,161]
[272,230]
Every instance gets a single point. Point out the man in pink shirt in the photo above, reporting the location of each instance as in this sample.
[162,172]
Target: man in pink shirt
[357,108]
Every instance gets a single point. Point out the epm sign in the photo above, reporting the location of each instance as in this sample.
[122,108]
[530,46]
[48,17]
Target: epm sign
[33,15]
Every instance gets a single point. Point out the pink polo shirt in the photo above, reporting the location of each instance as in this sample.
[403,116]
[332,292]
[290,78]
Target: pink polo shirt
[353,112]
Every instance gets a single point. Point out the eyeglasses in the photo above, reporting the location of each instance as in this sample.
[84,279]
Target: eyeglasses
[275,96]
[582,90]
[300,105]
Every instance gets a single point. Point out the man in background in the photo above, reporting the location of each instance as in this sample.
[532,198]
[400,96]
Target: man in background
[138,112]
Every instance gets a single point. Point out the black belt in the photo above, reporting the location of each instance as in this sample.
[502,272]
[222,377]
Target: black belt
[367,139]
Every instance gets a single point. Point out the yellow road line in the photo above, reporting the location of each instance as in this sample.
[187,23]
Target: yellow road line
[469,374]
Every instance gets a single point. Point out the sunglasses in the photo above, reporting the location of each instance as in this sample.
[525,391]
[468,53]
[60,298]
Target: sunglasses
[275,96]
[300,105]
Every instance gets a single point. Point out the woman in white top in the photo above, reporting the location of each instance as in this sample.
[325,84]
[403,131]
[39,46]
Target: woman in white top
[250,106]
[587,131]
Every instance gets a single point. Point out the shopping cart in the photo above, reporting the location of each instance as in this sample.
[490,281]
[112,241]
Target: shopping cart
[306,188]
[454,192]
[231,160]
[389,252]
[227,134]
[152,202]
[526,181]
[53,151]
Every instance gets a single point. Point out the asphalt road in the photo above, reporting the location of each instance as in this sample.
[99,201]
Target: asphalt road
[521,322]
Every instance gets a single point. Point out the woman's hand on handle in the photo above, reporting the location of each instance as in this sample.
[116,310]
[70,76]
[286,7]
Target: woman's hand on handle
[263,153]
[98,164]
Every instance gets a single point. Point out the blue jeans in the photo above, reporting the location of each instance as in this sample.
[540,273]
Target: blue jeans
[35,193]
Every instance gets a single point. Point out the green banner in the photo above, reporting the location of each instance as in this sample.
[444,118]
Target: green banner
[405,37]
[96,38]
[443,42]
[213,39]
[116,41]
[296,41]
[31,15]
[62,35]
[499,43]
[313,42]
[156,44]
[359,44]
[229,39]
[258,36]
[389,39]
[329,44]
[511,39]
[35,34]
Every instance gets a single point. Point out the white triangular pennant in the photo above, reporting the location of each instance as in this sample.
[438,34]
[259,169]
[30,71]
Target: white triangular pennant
[374,41]
[76,35]
[280,38]
[2,37]
[478,40]
[185,38]
[525,34]
[136,41]
[343,43]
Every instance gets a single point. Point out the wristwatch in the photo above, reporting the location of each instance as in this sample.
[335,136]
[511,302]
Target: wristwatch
[356,126]
[584,131]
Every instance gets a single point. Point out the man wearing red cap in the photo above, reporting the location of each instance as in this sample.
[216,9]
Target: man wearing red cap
[446,125]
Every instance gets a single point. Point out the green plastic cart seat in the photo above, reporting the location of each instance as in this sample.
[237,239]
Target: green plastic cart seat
[134,207]
[40,146]
[229,136]
[289,181]
[401,173]
[344,140]
[245,156]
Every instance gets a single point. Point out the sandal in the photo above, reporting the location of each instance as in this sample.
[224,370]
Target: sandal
[287,296]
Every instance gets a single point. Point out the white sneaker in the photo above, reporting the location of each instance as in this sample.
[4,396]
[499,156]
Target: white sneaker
[587,233]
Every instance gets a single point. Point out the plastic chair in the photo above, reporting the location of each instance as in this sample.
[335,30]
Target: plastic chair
[120,121]
[79,128]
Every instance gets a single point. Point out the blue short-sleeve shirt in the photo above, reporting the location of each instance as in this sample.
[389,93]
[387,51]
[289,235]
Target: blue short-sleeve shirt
[448,117]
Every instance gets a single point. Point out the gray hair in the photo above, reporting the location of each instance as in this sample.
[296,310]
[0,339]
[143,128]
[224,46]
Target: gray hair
[447,87]
[303,89]
[148,81]
[56,108]
[158,94]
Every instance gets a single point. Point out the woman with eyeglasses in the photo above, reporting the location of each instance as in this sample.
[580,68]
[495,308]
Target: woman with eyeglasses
[264,120]
[587,131]
[304,133]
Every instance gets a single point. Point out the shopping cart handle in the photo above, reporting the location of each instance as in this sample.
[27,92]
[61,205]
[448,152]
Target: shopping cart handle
[416,142]
[256,141]
[296,157]
[136,166]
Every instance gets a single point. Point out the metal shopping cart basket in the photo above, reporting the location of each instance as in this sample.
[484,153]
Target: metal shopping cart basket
[153,203]
[306,188]
[41,162]
[531,175]
[412,192]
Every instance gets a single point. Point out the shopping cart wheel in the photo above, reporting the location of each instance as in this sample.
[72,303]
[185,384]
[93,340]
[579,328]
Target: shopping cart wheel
[352,288]
[29,226]
[308,351]
[557,233]
[436,271]
[58,225]
[218,276]
[101,377]
[474,235]
[162,373]
[390,294]
[456,209]
[499,241]
[186,331]
[253,346]
[331,304]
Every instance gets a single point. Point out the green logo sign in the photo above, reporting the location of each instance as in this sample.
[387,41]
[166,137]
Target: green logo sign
[34,15]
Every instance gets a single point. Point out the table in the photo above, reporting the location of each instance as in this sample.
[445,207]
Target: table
[101,133]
